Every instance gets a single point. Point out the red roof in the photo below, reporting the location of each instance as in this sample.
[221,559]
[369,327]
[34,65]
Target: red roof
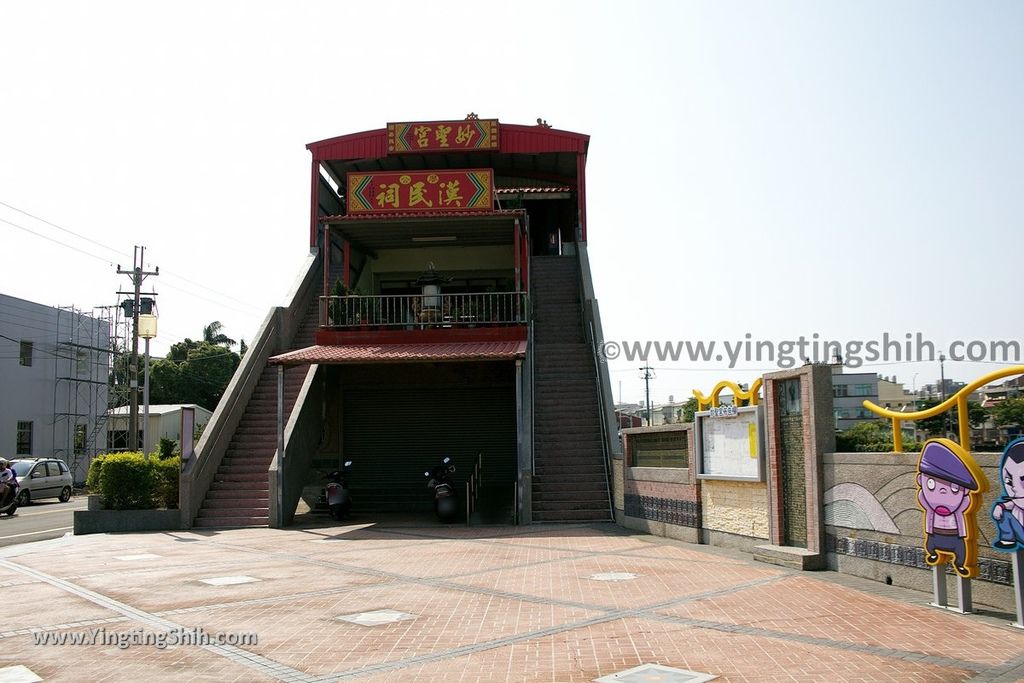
[514,139]
[403,353]
[490,213]
[532,190]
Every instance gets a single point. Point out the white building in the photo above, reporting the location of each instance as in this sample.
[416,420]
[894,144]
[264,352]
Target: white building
[54,369]
[164,422]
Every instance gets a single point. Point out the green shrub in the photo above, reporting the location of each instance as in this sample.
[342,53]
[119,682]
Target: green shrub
[166,473]
[167,447]
[127,482]
[870,437]
[92,478]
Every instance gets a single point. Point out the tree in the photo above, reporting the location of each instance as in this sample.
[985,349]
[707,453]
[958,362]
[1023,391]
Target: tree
[1009,413]
[192,372]
[869,437]
[937,425]
[212,334]
[689,408]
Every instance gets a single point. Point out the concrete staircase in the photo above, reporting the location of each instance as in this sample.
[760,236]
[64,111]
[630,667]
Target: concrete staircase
[569,483]
[240,493]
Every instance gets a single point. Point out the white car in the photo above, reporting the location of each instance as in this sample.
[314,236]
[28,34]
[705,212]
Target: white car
[42,478]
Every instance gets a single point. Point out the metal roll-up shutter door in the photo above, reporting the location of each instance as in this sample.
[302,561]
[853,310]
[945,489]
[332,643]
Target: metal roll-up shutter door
[394,433]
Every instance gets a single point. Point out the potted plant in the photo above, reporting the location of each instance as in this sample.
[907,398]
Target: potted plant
[336,308]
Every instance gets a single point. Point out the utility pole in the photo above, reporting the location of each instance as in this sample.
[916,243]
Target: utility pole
[137,275]
[647,376]
[942,392]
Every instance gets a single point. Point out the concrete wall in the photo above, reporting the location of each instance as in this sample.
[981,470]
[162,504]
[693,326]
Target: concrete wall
[874,525]
[859,510]
[665,501]
[736,508]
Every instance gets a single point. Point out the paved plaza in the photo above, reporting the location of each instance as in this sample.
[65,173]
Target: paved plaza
[374,602]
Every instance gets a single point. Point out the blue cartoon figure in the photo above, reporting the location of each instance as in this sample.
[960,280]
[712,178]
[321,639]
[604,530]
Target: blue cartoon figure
[950,490]
[1008,511]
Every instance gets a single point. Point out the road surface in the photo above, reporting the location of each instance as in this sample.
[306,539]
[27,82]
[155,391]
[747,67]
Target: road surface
[40,521]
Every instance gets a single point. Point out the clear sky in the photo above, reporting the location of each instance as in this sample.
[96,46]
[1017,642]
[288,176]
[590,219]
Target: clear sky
[778,169]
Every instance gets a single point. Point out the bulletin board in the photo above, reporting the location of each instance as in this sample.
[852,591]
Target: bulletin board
[730,443]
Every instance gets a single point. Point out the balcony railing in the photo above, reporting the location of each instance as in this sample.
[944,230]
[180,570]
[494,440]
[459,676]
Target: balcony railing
[415,311]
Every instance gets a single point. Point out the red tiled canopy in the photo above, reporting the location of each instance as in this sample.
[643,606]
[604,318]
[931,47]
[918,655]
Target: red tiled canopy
[403,353]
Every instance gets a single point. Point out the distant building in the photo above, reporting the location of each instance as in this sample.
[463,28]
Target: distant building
[893,395]
[54,368]
[849,391]
[935,392]
[164,422]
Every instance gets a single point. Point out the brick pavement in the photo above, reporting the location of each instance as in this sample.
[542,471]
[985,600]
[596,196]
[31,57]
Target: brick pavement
[487,604]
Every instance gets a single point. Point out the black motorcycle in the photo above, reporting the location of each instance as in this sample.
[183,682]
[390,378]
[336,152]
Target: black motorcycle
[336,494]
[9,501]
[446,502]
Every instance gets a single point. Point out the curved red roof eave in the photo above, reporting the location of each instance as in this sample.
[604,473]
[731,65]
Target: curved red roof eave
[514,139]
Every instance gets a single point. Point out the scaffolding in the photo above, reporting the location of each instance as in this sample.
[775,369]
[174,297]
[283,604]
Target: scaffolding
[84,350]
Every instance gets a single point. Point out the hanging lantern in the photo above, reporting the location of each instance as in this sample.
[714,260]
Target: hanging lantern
[430,287]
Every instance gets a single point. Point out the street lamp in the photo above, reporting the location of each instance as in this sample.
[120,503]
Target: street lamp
[147,330]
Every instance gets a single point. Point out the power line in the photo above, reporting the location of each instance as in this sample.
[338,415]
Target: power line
[70,232]
[56,241]
[120,253]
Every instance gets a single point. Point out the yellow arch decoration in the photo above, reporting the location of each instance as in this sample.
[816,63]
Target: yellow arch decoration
[750,395]
[959,399]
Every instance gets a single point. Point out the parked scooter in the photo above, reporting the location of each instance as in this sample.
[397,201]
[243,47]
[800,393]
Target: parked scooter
[9,501]
[446,502]
[339,501]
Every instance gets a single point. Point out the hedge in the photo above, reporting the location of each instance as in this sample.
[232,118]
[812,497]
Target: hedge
[130,481]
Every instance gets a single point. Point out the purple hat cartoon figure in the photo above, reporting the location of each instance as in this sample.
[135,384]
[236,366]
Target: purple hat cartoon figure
[1008,511]
[950,489]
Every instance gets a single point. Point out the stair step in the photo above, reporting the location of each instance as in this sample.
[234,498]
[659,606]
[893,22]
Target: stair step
[243,509]
[251,488]
[592,490]
[228,522]
[241,469]
[235,503]
[236,493]
[245,477]
[556,516]
[578,503]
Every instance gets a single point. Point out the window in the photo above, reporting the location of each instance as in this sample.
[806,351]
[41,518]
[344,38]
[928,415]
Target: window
[863,390]
[24,445]
[39,470]
[80,435]
[82,363]
[52,469]
[840,390]
[26,353]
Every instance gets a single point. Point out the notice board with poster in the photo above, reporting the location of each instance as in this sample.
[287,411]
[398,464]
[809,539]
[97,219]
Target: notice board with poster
[730,443]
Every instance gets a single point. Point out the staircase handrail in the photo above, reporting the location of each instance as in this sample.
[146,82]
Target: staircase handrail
[277,329]
[473,487]
[594,336]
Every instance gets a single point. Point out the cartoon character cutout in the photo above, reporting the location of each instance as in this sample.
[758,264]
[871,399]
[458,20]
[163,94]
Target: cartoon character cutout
[951,484]
[1008,511]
